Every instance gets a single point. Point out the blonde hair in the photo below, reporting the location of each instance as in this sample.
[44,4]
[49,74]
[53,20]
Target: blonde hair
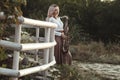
[51,10]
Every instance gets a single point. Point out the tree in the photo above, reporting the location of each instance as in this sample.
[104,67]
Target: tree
[99,20]
[8,9]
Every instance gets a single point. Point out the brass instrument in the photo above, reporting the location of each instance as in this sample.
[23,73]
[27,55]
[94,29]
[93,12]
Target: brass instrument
[66,40]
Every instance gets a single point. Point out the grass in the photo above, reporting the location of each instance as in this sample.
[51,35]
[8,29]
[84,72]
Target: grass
[73,72]
[93,52]
[96,52]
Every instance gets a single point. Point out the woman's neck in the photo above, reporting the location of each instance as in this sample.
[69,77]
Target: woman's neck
[55,17]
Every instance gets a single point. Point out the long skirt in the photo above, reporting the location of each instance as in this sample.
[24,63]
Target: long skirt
[60,56]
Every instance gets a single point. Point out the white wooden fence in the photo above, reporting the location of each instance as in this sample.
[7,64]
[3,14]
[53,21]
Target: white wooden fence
[17,46]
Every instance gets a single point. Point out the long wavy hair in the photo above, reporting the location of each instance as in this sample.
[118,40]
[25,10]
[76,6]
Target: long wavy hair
[51,11]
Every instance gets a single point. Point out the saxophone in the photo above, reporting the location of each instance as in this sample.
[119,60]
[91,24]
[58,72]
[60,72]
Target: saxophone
[65,47]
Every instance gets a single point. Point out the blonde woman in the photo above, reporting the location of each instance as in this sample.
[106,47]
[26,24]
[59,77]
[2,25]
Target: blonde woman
[53,16]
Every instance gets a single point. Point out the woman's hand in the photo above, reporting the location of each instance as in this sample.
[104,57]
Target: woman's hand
[63,36]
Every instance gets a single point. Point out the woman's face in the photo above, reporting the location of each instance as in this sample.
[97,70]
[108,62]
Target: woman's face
[56,11]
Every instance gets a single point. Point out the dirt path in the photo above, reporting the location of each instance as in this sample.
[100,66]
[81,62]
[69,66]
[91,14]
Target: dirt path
[104,70]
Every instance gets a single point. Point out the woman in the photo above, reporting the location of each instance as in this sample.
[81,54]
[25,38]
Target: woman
[52,16]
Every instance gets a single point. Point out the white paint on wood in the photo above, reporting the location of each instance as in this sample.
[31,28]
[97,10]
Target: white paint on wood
[17,47]
[9,72]
[46,51]
[33,46]
[27,46]
[23,72]
[16,53]
[39,23]
[37,41]
[10,45]
[51,51]
[35,69]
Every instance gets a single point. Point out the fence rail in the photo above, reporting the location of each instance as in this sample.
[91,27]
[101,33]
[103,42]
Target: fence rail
[17,46]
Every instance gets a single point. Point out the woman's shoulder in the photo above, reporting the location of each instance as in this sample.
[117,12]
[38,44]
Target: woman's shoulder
[50,19]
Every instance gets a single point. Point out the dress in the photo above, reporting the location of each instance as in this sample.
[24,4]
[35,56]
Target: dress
[60,57]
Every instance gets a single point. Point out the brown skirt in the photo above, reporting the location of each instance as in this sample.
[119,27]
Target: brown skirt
[60,57]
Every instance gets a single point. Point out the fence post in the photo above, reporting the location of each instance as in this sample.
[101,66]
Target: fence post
[46,51]
[52,38]
[37,41]
[16,53]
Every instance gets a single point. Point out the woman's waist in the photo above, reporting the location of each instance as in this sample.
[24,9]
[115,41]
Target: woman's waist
[60,31]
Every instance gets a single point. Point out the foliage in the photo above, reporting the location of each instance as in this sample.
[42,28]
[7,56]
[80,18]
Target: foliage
[12,7]
[2,54]
[26,38]
[99,20]
[73,72]
[10,10]
[96,52]
[65,72]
